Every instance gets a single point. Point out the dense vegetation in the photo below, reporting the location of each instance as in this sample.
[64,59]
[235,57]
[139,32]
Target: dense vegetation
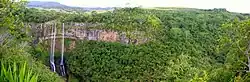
[15,48]
[184,45]
[16,73]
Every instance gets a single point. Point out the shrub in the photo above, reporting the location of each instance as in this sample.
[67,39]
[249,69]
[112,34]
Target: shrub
[200,78]
[17,73]
[18,54]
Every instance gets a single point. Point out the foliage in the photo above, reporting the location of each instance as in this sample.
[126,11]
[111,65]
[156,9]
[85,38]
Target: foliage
[186,44]
[200,78]
[110,62]
[11,19]
[118,62]
[40,52]
[17,73]
[19,54]
[234,44]
[33,15]
[121,20]
[14,41]
[183,43]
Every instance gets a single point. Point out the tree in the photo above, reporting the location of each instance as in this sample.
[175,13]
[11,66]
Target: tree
[14,44]
[235,44]
[11,20]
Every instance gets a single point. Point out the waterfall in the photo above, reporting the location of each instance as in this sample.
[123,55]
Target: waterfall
[62,68]
[52,61]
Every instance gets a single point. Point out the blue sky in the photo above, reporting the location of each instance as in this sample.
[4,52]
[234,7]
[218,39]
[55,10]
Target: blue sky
[231,5]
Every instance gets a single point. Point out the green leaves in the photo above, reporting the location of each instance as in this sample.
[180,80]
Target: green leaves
[19,54]
[234,45]
[33,15]
[94,61]
[11,19]
[14,49]
[200,78]
[183,43]
[17,73]
[187,45]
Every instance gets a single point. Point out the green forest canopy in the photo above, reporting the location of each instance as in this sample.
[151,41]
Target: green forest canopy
[186,46]
[189,45]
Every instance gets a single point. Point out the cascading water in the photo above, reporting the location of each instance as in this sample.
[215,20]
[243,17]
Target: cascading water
[62,68]
[52,61]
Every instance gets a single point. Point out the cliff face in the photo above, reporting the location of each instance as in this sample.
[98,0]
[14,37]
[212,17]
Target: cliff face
[73,32]
[101,35]
[43,32]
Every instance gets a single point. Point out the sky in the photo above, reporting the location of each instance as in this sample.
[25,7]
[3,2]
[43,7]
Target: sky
[232,5]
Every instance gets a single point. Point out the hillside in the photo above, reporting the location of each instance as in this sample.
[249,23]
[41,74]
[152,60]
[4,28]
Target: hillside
[45,4]
[56,5]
